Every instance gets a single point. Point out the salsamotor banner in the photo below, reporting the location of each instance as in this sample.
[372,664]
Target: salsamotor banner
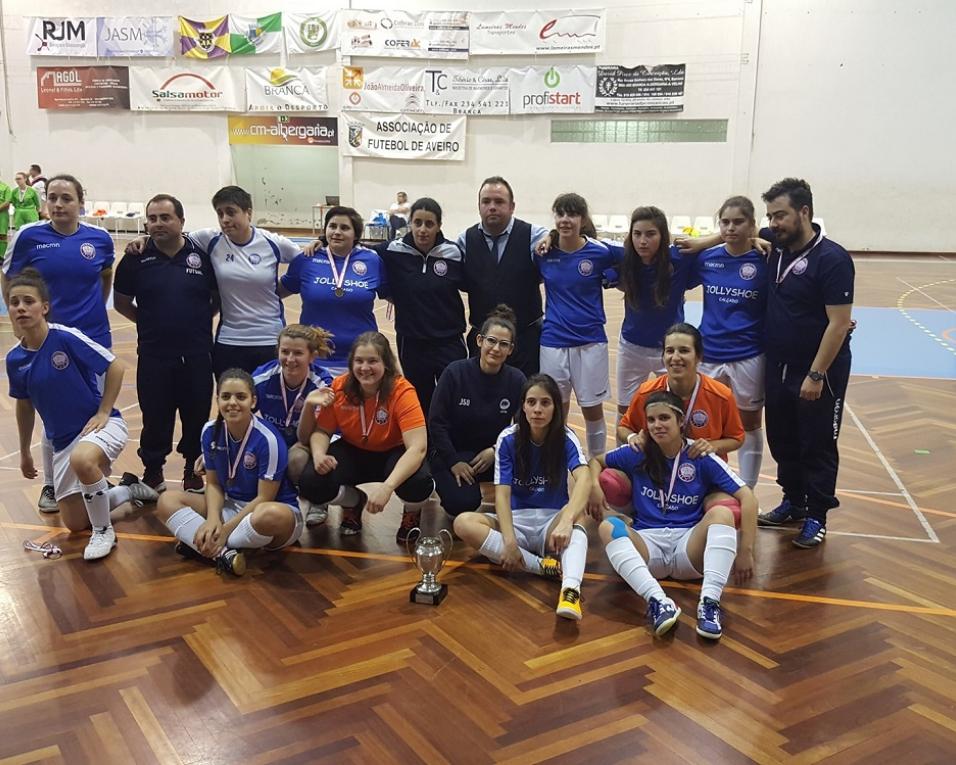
[623,89]
[207,89]
[553,90]
[134,36]
[250,35]
[402,136]
[72,36]
[537,32]
[310,32]
[425,34]
[286,90]
[204,39]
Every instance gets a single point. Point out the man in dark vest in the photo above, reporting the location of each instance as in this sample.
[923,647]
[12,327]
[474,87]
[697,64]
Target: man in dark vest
[500,267]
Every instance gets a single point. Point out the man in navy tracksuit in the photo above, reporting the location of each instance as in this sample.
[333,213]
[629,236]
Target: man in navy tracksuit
[808,359]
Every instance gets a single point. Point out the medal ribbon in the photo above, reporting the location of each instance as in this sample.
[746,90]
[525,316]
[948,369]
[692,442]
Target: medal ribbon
[367,429]
[233,465]
[690,404]
[290,409]
[338,276]
[801,256]
[670,489]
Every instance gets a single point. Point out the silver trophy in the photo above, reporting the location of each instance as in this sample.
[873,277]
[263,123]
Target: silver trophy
[429,555]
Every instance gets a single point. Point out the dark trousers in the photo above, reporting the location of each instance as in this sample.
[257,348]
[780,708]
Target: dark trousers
[357,466]
[456,499]
[246,357]
[527,348]
[423,361]
[163,386]
[802,435]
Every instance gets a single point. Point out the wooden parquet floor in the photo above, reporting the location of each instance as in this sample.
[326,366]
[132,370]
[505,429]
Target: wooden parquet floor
[842,654]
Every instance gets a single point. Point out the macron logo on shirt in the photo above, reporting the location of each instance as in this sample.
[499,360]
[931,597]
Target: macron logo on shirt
[46,246]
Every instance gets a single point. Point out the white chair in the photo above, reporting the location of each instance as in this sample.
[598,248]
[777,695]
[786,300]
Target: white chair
[115,216]
[819,222]
[704,224]
[600,223]
[97,212]
[679,223]
[135,217]
[617,226]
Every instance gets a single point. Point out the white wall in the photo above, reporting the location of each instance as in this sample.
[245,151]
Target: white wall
[854,96]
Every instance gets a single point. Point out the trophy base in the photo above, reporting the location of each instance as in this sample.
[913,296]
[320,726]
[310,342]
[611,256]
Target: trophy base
[428,598]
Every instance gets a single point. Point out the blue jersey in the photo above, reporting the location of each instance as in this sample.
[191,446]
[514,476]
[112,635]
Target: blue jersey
[646,325]
[271,405]
[574,305]
[264,457]
[735,303]
[71,267]
[345,317]
[60,380]
[535,491]
[695,479]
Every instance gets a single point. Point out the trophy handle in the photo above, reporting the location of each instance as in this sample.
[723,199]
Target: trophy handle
[451,542]
[409,539]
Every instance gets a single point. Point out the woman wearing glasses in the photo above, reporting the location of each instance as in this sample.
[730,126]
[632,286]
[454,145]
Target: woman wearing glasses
[476,398]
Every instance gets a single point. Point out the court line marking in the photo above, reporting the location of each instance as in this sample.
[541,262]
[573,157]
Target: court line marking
[884,537]
[894,476]
[52,531]
[918,324]
[926,295]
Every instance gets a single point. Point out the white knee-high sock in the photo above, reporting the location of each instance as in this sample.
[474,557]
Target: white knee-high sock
[573,559]
[596,432]
[627,561]
[245,537]
[719,557]
[494,546]
[184,524]
[118,495]
[97,501]
[750,456]
[46,454]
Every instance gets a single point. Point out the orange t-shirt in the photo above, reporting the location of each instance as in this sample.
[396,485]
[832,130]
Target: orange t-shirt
[715,412]
[385,420]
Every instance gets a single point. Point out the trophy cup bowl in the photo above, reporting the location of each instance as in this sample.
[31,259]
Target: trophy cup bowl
[429,556]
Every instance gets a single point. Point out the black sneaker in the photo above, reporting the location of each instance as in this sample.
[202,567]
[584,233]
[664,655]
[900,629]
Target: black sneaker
[813,534]
[352,517]
[153,478]
[193,483]
[231,562]
[782,514]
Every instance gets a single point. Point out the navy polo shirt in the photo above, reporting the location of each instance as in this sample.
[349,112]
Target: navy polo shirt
[174,299]
[822,275]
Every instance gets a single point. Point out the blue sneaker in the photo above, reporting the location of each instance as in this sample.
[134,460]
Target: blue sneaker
[782,514]
[662,615]
[708,619]
[813,533]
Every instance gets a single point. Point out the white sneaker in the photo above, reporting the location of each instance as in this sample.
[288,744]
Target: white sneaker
[316,515]
[101,544]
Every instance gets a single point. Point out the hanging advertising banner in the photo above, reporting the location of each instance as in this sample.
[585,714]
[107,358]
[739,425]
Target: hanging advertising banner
[208,89]
[624,89]
[83,87]
[431,90]
[311,32]
[286,90]
[425,34]
[555,90]
[204,39]
[72,36]
[495,33]
[281,130]
[134,36]
[403,136]
[249,35]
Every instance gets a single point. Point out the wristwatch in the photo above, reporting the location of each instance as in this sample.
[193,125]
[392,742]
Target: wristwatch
[816,376]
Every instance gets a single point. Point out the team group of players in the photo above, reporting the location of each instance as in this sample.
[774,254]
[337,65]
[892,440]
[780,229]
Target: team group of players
[308,412]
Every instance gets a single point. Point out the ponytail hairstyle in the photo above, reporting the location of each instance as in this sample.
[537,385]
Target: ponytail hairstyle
[741,203]
[632,265]
[233,373]
[318,339]
[655,463]
[573,204]
[553,461]
[352,387]
[32,278]
[501,316]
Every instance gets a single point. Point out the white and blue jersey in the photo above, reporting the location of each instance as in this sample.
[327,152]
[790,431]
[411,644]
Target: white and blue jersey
[272,406]
[574,301]
[348,316]
[264,457]
[696,478]
[735,303]
[71,266]
[59,378]
[536,491]
[248,278]
[646,325]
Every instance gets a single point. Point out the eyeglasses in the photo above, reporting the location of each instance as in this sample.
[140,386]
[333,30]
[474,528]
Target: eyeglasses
[492,342]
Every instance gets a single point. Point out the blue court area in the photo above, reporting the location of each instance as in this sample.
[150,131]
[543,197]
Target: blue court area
[888,344]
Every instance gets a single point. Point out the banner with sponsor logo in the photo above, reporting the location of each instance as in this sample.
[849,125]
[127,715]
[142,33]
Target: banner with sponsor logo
[431,90]
[249,35]
[640,88]
[556,89]
[281,130]
[204,39]
[83,87]
[134,36]
[402,136]
[537,32]
[286,90]
[72,36]
[207,89]
[425,34]
[311,32]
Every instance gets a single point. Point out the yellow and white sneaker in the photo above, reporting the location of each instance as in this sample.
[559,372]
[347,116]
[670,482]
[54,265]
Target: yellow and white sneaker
[569,605]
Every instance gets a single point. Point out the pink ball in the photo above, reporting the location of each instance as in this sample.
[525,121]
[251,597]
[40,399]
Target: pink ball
[734,506]
[616,487]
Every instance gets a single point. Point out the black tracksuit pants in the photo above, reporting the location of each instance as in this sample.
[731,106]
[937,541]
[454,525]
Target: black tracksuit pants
[423,361]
